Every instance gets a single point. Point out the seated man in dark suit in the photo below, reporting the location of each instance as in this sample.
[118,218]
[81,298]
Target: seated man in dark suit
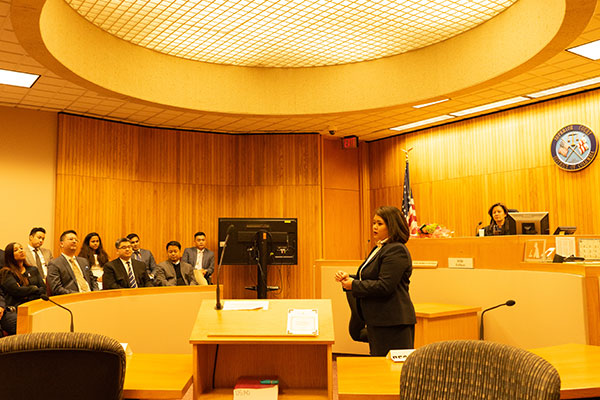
[125,272]
[8,316]
[67,273]
[142,255]
[201,258]
[174,272]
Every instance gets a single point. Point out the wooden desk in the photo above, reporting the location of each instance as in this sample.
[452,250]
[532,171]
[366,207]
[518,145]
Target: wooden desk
[436,322]
[377,378]
[578,366]
[157,376]
[256,343]
[362,378]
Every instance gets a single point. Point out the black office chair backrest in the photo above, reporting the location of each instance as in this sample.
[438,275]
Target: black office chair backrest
[474,369]
[61,365]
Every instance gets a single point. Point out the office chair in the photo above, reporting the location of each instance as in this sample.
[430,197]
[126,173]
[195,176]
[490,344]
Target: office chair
[473,369]
[61,365]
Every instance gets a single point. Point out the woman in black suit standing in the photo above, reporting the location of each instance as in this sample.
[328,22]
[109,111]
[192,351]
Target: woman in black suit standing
[380,286]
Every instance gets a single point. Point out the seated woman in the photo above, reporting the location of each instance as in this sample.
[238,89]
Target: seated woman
[94,252]
[20,282]
[498,225]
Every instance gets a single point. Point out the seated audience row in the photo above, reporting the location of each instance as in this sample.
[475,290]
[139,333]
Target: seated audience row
[28,273]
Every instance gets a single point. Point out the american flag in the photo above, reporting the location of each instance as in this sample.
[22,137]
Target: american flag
[408,205]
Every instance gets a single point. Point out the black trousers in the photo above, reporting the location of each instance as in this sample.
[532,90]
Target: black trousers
[382,339]
[9,322]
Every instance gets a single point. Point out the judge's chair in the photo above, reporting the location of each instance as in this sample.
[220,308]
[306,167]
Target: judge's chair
[470,369]
[61,365]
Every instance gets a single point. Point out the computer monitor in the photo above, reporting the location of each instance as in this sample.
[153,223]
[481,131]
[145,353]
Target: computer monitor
[281,236]
[565,230]
[528,223]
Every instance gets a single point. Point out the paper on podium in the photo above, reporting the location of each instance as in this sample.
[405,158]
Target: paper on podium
[246,305]
[303,322]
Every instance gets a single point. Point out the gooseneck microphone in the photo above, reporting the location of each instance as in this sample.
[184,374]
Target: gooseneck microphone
[509,303]
[46,298]
[230,229]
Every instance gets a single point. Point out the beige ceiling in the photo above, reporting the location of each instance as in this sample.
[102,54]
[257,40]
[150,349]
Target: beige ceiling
[55,93]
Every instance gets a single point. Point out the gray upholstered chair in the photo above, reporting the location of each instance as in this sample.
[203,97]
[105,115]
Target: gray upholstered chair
[61,365]
[473,369]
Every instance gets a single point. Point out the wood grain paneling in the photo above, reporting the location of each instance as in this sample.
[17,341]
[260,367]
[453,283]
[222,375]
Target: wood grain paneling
[165,185]
[459,170]
[341,201]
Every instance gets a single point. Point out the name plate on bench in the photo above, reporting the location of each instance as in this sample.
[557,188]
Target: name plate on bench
[460,263]
[399,355]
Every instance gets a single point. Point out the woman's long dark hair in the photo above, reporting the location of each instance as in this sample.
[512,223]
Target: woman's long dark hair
[491,212]
[88,253]
[395,220]
[12,265]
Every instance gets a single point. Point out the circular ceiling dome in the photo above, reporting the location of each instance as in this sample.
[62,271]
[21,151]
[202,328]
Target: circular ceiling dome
[286,33]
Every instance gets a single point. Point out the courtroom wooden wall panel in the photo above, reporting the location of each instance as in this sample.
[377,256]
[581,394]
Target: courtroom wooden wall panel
[165,185]
[459,170]
[341,201]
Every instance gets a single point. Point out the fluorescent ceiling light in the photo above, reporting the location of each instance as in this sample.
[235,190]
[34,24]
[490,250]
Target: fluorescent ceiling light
[17,78]
[490,106]
[430,104]
[565,88]
[421,123]
[589,50]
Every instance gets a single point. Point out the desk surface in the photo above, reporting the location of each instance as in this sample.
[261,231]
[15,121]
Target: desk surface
[437,310]
[578,366]
[378,378]
[259,326]
[157,376]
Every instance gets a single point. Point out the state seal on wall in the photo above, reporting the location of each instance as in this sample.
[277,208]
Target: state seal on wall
[574,147]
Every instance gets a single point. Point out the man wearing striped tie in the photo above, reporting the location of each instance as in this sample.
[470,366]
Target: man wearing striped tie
[125,272]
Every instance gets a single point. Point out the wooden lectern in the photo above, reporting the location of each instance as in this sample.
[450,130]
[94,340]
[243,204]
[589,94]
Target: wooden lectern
[255,343]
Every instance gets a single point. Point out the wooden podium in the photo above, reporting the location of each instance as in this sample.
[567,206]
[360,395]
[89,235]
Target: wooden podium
[255,343]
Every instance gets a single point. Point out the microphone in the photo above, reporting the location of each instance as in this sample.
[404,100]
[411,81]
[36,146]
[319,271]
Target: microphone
[230,229]
[46,298]
[509,303]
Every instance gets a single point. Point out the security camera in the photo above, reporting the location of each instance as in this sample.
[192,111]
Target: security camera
[332,132]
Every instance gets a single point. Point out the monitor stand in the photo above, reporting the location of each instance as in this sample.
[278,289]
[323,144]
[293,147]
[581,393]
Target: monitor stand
[261,268]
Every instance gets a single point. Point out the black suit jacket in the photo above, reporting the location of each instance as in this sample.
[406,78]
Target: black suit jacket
[115,275]
[14,293]
[381,288]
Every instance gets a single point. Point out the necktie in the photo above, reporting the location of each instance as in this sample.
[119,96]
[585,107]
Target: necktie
[81,282]
[38,260]
[199,259]
[132,282]
[138,256]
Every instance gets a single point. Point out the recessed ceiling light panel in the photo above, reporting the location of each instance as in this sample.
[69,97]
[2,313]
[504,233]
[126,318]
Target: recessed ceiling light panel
[490,106]
[589,50]
[565,88]
[421,123]
[15,78]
